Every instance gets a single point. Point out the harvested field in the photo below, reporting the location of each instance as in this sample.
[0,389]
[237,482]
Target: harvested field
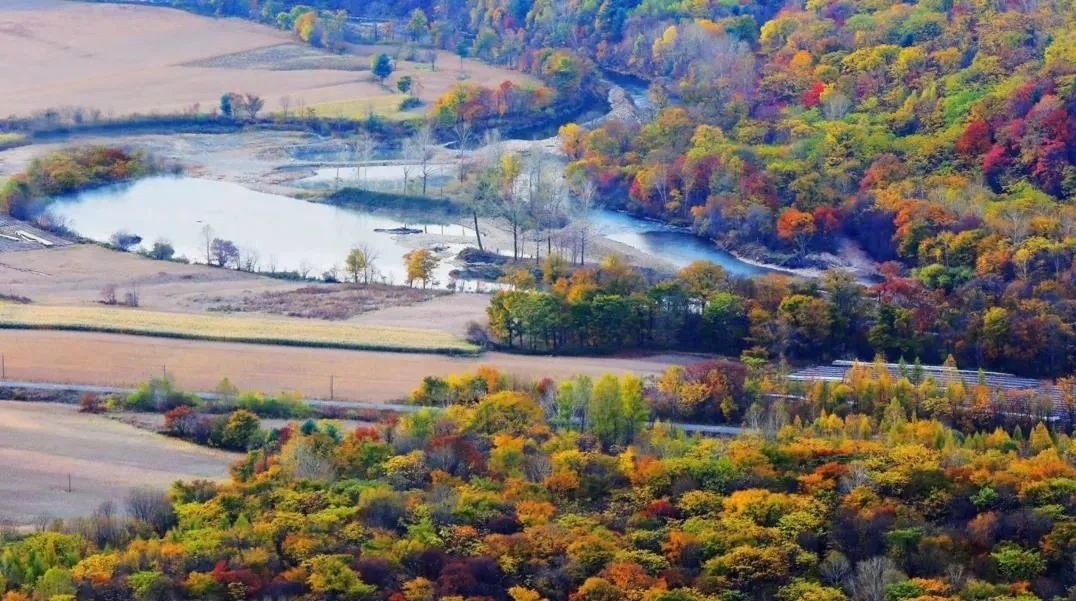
[289,332]
[333,303]
[127,361]
[42,444]
[76,275]
[70,54]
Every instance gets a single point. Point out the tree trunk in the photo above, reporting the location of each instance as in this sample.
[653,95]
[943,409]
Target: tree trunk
[477,233]
[515,241]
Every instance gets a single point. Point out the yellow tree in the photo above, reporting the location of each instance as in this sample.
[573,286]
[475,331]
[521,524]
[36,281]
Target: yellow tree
[420,265]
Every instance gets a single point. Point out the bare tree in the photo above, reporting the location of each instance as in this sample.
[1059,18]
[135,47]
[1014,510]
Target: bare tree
[253,103]
[41,522]
[364,152]
[108,294]
[835,568]
[417,154]
[207,237]
[464,131]
[249,260]
[857,476]
[285,104]
[152,507]
[585,192]
[132,296]
[871,577]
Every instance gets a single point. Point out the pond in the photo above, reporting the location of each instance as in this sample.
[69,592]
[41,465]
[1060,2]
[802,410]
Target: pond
[285,233]
[288,234]
[675,246]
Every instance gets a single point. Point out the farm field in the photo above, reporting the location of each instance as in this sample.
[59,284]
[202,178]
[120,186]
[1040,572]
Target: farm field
[76,275]
[298,332]
[41,444]
[126,361]
[126,59]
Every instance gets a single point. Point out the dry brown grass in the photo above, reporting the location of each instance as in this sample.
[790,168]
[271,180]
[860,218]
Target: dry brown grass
[75,275]
[288,332]
[127,361]
[43,443]
[123,59]
[332,303]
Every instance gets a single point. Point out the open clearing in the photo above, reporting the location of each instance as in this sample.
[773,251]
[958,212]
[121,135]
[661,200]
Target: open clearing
[42,443]
[76,275]
[127,361]
[125,59]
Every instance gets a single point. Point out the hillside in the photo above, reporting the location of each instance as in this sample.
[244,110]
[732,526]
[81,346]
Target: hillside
[564,493]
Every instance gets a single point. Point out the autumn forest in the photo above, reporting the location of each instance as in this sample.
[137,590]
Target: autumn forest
[938,136]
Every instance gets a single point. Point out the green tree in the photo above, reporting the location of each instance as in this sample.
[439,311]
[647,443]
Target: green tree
[419,25]
[55,581]
[1016,564]
[241,430]
[381,67]
[331,576]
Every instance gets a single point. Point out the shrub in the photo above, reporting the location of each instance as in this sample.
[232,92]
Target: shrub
[90,402]
[160,395]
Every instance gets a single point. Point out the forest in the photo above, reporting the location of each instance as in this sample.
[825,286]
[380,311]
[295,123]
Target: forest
[1016,326]
[569,491]
[939,136]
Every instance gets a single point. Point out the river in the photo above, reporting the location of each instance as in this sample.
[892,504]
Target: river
[289,234]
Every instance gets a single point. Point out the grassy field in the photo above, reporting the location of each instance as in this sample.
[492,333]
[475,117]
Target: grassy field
[383,106]
[288,332]
[61,54]
[44,444]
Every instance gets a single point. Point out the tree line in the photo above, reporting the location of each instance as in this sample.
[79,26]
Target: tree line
[612,307]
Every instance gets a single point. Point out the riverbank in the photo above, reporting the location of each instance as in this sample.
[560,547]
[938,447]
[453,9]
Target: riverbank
[849,257]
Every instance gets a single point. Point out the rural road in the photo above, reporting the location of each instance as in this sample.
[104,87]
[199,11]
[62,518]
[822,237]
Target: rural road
[5,385]
[368,376]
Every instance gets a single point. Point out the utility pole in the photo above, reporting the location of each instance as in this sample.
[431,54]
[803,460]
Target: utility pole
[332,387]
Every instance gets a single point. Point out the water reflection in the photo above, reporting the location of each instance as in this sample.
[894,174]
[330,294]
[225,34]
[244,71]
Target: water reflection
[285,233]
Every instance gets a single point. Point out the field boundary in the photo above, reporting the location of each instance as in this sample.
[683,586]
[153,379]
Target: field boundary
[229,329]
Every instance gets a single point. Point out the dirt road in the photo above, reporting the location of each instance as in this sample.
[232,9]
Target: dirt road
[114,360]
